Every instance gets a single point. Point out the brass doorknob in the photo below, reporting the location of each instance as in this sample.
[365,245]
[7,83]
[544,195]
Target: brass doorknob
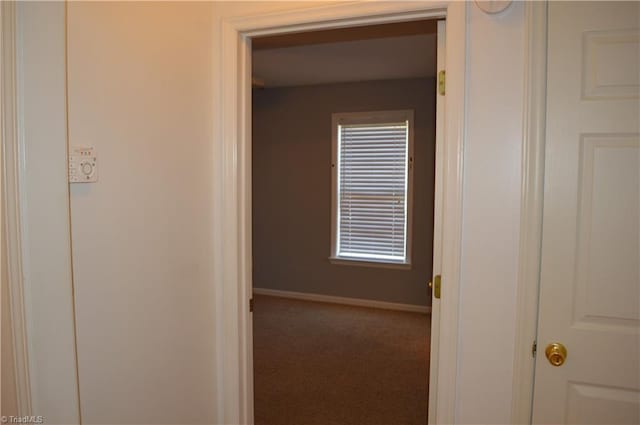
[556,353]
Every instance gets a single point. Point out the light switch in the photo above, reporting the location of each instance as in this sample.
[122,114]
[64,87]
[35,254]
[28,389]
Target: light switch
[83,165]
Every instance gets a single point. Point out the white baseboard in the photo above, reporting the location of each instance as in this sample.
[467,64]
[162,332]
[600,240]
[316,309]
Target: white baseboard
[342,300]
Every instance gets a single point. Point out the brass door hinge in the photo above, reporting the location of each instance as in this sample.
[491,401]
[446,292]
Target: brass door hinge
[250,305]
[436,284]
[442,82]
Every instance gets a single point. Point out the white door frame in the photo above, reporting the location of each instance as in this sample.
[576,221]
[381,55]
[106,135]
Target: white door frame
[233,160]
[40,285]
[531,203]
[11,226]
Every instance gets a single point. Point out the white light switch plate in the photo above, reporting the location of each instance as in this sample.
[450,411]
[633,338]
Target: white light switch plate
[83,165]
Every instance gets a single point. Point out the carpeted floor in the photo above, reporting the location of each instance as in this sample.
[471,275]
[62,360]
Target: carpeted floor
[318,363]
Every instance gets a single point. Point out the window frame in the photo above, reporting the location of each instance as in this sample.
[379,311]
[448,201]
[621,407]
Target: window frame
[371,117]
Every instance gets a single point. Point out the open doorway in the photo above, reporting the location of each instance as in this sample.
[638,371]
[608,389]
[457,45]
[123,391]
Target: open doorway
[342,330]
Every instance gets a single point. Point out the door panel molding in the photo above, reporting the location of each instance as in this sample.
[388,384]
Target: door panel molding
[599,49]
[592,307]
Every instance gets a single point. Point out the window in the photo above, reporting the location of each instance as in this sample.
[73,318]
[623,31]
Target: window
[371,199]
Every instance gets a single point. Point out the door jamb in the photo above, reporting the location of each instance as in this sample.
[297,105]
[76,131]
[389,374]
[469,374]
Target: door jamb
[531,204]
[232,260]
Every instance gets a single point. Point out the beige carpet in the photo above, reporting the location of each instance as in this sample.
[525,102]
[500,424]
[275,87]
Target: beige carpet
[318,363]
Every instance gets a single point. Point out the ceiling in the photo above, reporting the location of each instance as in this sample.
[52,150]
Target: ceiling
[360,60]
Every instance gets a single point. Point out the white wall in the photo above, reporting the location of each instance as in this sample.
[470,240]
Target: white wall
[140,93]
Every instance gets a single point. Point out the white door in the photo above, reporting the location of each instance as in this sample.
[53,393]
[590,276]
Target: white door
[590,271]
[437,227]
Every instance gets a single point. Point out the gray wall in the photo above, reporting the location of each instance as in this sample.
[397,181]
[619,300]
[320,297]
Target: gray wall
[292,189]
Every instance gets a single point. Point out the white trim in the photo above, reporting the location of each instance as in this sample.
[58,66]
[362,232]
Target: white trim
[46,273]
[11,208]
[232,158]
[360,302]
[337,15]
[244,232]
[531,209]
[383,264]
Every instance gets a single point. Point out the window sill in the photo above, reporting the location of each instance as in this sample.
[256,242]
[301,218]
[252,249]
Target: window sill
[345,261]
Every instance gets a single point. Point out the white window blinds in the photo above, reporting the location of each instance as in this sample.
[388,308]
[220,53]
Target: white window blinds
[372,190]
